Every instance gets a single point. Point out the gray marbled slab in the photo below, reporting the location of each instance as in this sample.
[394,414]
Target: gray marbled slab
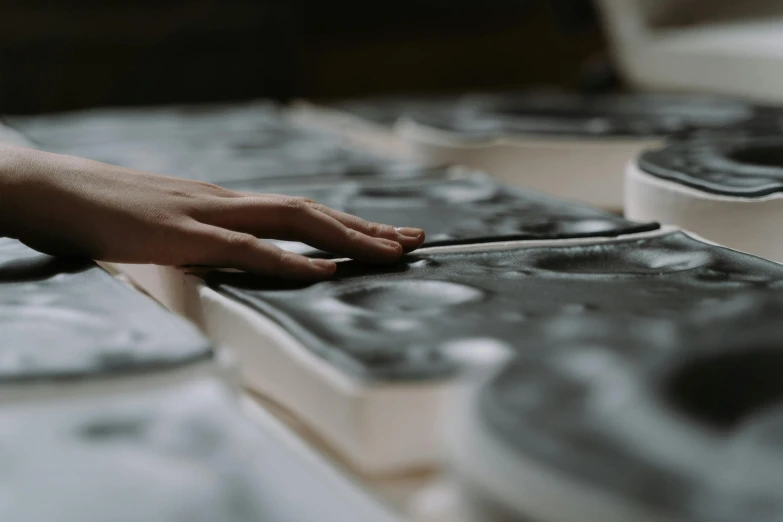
[183,453]
[683,418]
[67,318]
[412,320]
[146,124]
[456,209]
[209,143]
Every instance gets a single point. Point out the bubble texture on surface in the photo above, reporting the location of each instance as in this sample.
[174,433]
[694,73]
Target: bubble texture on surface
[429,301]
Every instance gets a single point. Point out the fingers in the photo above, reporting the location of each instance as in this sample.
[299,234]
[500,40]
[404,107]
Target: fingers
[214,246]
[408,238]
[295,219]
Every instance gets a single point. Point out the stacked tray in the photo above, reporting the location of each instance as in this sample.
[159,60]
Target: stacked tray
[570,146]
[565,305]
[380,349]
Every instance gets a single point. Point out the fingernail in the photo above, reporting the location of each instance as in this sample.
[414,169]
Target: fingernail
[323,264]
[389,243]
[410,232]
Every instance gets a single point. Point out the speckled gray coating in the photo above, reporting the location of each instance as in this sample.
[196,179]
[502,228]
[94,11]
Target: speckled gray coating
[680,417]
[740,161]
[183,453]
[454,210]
[401,322]
[208,143]
[67,318]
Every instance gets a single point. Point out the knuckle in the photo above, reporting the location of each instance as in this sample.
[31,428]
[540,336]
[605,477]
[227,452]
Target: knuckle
[284,258]
[252,201]
[211,187]
[293,205]
[161,217]
[379,229]
[239,240]
[352,235]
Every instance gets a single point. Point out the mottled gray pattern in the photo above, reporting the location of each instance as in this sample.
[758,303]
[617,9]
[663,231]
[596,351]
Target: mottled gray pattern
[208,143]
[177,454]
[401,322]
[454,210]
[682,417]
[64,318]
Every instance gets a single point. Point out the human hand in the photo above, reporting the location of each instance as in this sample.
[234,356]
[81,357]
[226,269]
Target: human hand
[64,205]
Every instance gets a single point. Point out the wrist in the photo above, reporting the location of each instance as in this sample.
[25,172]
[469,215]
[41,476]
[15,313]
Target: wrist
[12,180]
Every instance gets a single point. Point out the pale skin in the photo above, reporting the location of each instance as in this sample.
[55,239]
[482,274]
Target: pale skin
[64,205]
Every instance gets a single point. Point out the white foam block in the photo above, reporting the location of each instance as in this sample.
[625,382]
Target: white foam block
[588,170]
[747,224]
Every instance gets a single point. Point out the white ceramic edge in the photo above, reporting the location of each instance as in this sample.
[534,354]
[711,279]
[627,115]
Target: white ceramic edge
[749,225]
[368,423]
[351,415]
[579,169]
[492,471]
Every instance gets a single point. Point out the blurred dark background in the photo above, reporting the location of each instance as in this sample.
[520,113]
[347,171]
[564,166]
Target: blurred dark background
[57,55]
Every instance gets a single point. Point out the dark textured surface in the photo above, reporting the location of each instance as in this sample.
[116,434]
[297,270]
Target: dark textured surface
[217,143]
[406,321]
[742,161]
[488,115]
[455,209]
[168,455]
[683,418]
[66,318]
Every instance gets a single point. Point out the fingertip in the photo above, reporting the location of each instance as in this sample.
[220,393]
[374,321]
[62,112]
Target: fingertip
[391,246]
[410,238]
[411,233]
